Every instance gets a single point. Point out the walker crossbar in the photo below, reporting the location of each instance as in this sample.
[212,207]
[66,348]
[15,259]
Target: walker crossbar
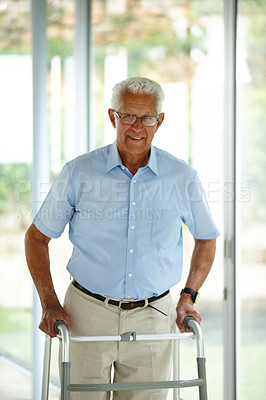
[67,387]
[134,386]
[131,336]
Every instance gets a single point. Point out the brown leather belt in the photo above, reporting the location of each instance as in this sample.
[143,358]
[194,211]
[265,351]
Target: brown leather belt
[125,305]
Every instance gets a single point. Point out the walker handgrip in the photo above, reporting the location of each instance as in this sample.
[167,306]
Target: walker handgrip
[58,322]
[186,321]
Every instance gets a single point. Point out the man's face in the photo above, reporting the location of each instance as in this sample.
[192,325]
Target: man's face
[135,139]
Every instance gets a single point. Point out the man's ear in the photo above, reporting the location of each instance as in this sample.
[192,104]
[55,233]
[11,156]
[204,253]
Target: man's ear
[112,117]
[160,121]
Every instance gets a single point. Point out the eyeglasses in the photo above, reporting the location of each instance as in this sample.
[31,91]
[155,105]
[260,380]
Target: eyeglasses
[129,119]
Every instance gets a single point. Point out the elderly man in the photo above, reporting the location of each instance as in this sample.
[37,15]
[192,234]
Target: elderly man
[125,204]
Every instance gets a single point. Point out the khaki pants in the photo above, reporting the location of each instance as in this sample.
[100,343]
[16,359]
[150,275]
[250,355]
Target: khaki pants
[131,361]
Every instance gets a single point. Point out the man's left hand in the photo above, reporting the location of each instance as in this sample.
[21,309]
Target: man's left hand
[185,308]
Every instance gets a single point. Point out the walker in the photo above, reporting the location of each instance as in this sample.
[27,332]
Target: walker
[176,383]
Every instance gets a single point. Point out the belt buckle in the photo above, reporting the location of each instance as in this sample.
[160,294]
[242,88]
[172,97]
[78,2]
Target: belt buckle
[130,303]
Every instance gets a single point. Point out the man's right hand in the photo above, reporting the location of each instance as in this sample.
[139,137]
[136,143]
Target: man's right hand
[50,316]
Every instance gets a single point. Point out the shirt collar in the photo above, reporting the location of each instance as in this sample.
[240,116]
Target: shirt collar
[113,159]
[152,163]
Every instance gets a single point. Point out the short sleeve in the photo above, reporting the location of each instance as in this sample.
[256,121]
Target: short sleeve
[198,217]
[58,207]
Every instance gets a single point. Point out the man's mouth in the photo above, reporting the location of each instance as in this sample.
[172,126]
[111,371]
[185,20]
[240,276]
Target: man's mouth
[135,137]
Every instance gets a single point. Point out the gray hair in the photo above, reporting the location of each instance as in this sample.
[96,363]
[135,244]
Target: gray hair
[137,85]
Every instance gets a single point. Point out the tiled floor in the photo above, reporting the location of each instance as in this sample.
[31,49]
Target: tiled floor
[16,385]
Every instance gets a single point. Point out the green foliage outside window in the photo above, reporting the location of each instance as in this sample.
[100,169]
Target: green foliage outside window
[14,186]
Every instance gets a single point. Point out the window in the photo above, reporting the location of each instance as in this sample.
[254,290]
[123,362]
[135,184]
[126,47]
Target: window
[15,159]
[251,59]
[179,44]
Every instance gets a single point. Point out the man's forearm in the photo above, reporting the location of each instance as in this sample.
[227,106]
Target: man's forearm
[37,256]
[201,262]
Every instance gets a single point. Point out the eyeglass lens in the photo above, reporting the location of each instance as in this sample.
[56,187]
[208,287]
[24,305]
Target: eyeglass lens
[131,119]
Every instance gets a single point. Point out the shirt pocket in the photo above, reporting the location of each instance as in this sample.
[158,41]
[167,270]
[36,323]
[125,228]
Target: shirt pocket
[165,230]
[86,222]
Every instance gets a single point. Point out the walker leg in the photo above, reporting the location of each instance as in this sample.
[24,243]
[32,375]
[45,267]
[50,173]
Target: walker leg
[201,363]
[46,368]
[176,368]
[65,380]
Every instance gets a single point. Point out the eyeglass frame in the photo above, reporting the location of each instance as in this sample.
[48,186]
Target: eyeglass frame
[141,118]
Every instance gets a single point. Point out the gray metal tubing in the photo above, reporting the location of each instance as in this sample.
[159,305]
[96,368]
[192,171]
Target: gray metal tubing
[118,338]
[191,323]
[134,386]
[196,329]
[176,367]
[64,336]
[46,368]
[201,363]
[67,387]
[65,380]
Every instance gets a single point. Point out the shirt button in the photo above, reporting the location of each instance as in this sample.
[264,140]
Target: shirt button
[133,203]
[134,180]
[132,227]
[131,250]
[122,167]
[130,275]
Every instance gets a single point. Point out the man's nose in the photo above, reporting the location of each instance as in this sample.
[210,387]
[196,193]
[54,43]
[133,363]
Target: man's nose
[137,124]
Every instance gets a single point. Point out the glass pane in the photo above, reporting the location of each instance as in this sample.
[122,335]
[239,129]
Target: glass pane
[61,82]
[252,162]
[62,125]
[15,159]
[179,44]
[16,156]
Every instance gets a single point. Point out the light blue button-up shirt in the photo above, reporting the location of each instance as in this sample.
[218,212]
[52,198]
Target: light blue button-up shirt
[126,230]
